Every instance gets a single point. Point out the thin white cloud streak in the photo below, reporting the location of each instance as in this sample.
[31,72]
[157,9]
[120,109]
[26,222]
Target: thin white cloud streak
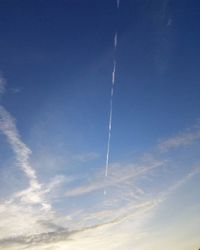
[111,109]
[33,194]
[15,90]
[183,139]
[134,208]
[142,209]
[119,174]
[8,128]
[85,157]
[113,75]
[118,3]
[2,85]
[109,138]
[122,174]
[115,40]
[195,171]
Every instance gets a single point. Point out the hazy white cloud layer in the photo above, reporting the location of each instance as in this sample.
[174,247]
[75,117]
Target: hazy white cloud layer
[31,219]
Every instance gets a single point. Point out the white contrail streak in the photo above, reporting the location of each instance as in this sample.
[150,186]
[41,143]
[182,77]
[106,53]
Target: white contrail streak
[8,128]
[113,73]
[2,85]
[33,194]
[115,40]
[118,3]
[109,137]
[111,107]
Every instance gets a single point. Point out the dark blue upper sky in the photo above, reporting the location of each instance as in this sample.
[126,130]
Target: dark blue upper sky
[59,55]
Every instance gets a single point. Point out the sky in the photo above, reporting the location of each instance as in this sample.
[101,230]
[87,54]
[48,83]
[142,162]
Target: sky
[59,63]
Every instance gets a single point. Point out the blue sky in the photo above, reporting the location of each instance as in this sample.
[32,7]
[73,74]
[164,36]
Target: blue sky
[56,69]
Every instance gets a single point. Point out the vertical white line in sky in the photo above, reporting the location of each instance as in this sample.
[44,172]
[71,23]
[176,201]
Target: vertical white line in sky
[118,3]
[115,41]
[111,107]
[113,73]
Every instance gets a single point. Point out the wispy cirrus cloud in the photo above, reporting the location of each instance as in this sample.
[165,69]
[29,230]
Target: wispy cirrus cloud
[119,173]
[33,194]
[182,139]
[67,234]
[29,221]
[8,128]
[124,174]
[53,236]
[22,213]
[85,157]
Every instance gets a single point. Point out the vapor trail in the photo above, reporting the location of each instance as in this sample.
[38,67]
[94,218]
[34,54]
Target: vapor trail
[115,41]
[118,3]
[33,194]
[8,128]
[111,106]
